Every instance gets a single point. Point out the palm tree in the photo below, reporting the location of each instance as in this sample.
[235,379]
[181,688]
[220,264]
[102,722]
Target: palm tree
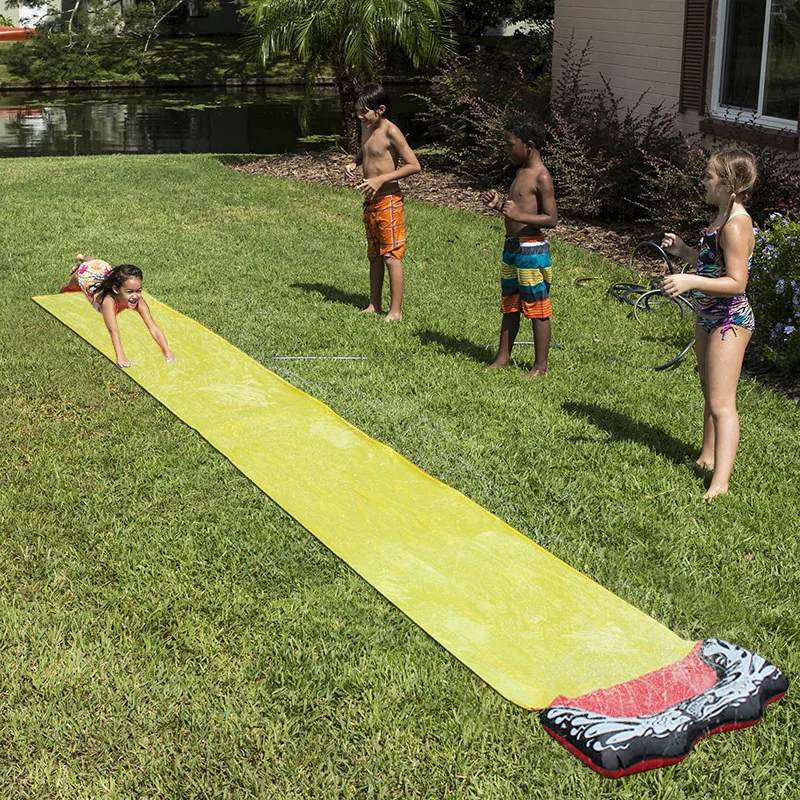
[350,37]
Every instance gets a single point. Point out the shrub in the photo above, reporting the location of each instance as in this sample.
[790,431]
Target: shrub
[774,290]
[604,157]
[639,162]
[472,95]
[50,57]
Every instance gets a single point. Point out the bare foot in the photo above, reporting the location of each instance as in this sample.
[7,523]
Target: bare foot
[370,309]
[537,372]
[714,492]
[79,259]
[705,464]
[393,316]
[498,364]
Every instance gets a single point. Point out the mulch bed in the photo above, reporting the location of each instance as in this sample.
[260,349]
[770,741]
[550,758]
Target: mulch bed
[444,188]
[448,189]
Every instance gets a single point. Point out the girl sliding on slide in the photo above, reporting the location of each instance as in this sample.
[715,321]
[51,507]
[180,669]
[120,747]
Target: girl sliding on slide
[724,317]
[111,290]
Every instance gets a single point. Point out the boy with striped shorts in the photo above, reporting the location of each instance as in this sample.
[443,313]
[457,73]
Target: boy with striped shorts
[526,272]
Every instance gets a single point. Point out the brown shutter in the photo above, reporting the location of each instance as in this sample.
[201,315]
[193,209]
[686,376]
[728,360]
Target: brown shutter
[695,56]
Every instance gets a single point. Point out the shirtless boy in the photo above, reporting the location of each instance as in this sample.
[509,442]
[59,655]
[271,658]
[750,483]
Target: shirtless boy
[525,273]
[383,147]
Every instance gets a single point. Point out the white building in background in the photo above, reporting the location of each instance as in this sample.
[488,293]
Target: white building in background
[28,17]
[10,14]
[22,16]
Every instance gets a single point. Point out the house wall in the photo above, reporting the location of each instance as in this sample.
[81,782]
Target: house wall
[634,46]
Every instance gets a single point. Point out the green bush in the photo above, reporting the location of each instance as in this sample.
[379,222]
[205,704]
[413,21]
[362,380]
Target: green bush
[774,290]
[472,95]
[623,163]
[49,57]
[601,154]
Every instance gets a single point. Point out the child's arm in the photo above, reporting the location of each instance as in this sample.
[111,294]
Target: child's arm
[351,167]
[737,245]
[546,215]
[492,199]
[108,309]
[370,186]
[155,331]
[675,246]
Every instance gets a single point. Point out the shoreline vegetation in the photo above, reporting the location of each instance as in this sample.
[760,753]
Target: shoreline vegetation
[181,62]
[186,83]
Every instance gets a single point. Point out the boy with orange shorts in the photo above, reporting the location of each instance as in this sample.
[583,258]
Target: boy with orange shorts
[383,147]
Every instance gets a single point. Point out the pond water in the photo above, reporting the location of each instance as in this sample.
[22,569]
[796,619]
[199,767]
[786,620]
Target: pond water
[81,122]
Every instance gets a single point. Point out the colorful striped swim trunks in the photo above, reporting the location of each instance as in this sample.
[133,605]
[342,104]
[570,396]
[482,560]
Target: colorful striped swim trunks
[384,222]
[525,277]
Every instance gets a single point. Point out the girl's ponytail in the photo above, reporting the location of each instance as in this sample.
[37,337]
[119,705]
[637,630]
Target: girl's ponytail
[737,172]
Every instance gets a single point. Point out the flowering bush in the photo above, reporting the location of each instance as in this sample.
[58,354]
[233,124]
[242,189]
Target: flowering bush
[775,290]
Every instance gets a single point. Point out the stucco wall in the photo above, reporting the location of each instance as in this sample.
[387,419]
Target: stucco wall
[636,45]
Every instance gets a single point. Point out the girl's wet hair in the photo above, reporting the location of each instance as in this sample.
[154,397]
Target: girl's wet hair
[114,280]
[737,172]
[527,127]
[372,96]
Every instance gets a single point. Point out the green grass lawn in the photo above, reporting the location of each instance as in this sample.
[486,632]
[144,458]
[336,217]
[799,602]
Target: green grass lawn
[169,632]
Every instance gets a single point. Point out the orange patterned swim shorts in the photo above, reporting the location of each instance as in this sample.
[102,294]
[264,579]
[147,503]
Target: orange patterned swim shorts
[384,222]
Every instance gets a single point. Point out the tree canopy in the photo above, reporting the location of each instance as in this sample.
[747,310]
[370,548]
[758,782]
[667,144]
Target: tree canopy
[352,38]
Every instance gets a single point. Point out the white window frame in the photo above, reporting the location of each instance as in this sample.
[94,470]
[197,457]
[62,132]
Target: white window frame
[734,113]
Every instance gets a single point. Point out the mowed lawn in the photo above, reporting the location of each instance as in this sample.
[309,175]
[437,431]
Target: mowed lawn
[169,632]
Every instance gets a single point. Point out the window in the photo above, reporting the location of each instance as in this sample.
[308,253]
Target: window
[757,62]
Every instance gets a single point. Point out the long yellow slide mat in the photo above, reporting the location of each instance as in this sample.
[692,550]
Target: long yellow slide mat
[527,623]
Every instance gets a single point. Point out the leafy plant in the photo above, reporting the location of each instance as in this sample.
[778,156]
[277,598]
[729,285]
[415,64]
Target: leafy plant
[774,290]
[351,37]
[473,94]
[601,153]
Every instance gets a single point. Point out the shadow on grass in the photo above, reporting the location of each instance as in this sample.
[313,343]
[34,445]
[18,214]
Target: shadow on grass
[622,428]
[334,295]
[456,344]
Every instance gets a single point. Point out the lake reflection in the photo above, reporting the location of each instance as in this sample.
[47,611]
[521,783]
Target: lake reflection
[188,121]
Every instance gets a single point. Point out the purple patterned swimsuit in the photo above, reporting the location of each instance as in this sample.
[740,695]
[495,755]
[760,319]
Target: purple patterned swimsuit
[720,312]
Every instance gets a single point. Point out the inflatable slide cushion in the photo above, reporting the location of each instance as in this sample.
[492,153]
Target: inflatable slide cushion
[618,744]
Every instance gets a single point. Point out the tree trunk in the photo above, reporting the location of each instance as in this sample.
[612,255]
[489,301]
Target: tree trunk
[346,86]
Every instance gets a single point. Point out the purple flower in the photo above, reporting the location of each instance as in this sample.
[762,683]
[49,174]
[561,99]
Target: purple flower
[789,330]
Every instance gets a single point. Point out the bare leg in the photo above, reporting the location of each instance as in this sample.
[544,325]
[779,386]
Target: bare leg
[375,285]
[508,333]
[541,346]
[723,368]
[706,458]
[395,268]
[71,285]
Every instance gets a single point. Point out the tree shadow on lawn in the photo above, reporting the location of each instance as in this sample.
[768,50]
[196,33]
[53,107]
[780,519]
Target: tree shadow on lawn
[622,428]
[333,294]
[457,344]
